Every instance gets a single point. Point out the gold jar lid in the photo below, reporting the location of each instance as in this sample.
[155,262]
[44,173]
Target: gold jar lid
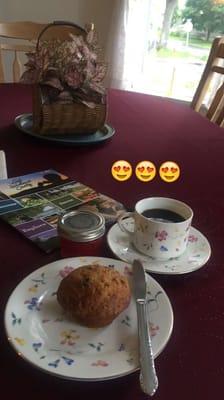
[81,226]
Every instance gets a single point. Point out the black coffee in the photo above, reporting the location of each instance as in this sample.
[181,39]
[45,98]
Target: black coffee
[163,215]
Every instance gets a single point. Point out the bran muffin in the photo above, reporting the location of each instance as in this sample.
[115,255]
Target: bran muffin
[94,295]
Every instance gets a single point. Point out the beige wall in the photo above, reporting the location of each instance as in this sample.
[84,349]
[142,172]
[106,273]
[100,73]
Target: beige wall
[79,11]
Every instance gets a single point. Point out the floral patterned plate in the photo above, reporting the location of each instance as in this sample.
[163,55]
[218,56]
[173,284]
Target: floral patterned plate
[41,333]
[195,256]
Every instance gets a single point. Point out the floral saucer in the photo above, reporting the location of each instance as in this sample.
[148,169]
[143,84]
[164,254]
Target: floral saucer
[195,256]
[43,335]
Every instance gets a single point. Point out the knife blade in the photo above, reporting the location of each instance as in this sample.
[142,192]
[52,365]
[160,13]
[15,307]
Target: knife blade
[148,377]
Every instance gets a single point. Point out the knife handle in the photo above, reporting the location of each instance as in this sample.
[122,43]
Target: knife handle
[148,377]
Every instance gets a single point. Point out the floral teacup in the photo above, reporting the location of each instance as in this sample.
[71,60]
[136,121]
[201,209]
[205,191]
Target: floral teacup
[161,227]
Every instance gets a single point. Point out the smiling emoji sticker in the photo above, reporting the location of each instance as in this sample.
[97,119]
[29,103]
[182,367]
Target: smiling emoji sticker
[169,171]
[121,170]
[145,171]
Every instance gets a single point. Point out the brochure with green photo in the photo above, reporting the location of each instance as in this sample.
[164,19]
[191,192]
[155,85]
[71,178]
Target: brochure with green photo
[32,203]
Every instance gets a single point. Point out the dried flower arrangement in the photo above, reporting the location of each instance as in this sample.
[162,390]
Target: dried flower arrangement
[68,71]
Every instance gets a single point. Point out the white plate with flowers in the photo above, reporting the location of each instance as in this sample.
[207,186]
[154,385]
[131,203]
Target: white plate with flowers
[40,332]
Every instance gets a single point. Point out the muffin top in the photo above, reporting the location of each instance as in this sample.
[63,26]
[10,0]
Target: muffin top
[94,294]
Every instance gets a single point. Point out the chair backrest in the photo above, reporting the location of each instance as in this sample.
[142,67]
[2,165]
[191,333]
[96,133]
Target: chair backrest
[21,37]
[214,67]
[3,167]
[17,38]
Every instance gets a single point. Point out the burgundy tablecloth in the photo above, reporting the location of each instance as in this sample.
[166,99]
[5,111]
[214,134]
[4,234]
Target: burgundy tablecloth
[147,128]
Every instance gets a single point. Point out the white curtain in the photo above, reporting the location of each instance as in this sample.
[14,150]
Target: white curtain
[127,42]
[137,42]
[115,52]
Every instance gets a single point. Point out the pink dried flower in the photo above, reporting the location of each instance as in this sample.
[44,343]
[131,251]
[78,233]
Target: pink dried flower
[68,66]
[30,76]
[91,37]
[100,72]
[51,77]
[73,77]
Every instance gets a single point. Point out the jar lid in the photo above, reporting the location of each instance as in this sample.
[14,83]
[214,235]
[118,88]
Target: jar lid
[81,226]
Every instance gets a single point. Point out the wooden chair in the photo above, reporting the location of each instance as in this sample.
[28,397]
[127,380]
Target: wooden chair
[3,167]
[18,38]
[28,33]
[215,111]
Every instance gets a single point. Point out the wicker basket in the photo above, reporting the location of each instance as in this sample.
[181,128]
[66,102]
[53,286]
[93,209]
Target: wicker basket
[66,118]
[74,118]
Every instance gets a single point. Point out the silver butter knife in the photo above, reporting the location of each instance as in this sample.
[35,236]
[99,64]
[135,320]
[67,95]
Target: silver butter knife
[148,377]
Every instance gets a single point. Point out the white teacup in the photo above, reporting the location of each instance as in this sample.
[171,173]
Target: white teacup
[163,233]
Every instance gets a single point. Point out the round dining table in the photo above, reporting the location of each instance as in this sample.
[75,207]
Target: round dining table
[147,128]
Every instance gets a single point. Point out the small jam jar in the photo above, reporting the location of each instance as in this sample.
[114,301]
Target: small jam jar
[81,233]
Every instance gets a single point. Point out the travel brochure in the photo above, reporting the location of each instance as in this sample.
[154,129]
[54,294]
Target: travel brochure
[32,204]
